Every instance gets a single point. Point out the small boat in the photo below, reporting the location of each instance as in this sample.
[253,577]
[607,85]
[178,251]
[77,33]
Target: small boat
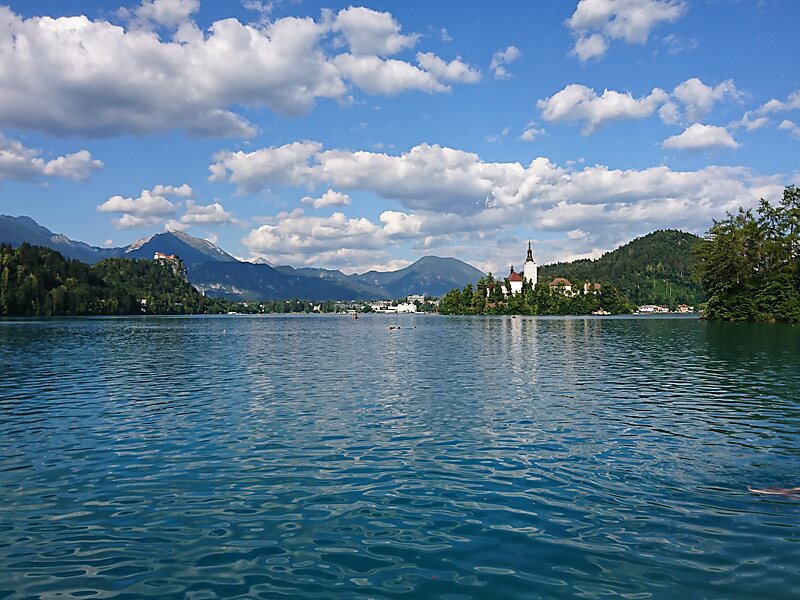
[355,316]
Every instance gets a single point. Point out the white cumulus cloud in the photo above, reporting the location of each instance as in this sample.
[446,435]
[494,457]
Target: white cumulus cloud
[290,233]
[210,214]
[589,47]
[456,70]
[501,58]
[791,127]
[595,22]
[775,105]
[387,77]
[149,209]
[698,98]
[578,103]
[165,13]
[450,199]
[367,31]
[531,132]
[253,171]
[749,122]
[701,137]
[399,224]
[78,76]
[20,163]
[329,198]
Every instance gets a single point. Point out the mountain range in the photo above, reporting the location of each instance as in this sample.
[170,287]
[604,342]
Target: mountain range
[217,273]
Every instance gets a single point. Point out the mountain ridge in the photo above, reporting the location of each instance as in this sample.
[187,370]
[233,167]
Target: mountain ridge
[217,273]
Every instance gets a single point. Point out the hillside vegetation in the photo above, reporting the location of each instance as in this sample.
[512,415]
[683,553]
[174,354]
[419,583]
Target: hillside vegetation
[36,281]
[654,269]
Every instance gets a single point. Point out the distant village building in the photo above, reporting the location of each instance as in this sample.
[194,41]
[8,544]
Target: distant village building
[385,306]
[649,309]
[403,307]
[407,307]
[560,283]
[416,298]
[593,288]
[162,256]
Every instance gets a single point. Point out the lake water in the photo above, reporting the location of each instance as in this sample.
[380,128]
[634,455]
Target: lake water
[457,457]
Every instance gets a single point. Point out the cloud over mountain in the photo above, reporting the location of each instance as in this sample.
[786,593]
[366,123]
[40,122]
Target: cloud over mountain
[446,195]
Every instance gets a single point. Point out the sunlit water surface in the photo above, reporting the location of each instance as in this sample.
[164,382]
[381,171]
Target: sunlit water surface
[321,457]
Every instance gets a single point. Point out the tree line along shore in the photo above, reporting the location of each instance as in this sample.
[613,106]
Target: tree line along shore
[746,268]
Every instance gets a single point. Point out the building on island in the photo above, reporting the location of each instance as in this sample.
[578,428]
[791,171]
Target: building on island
[529,270]
[530,274]
[560,283]
[514,282]
[530,277]
[591,288]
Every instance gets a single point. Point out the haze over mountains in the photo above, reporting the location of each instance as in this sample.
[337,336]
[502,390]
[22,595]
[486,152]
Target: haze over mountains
[215,272]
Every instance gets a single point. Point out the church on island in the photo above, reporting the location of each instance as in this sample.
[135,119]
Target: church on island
[530,273]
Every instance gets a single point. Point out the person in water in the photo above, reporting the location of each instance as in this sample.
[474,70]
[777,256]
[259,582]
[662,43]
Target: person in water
[774,491]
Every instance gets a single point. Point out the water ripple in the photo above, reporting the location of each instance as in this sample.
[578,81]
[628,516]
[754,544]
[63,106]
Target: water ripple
[457,457]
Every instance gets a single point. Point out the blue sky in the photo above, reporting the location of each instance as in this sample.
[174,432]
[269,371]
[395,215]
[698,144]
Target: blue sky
[358,136]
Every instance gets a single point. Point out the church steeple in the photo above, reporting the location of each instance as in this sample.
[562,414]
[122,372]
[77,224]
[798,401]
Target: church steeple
[530,270]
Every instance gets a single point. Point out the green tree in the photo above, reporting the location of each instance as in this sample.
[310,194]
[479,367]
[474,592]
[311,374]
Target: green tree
[749,263]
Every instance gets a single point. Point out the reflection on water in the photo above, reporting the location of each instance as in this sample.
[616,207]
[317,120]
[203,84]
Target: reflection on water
[455,457]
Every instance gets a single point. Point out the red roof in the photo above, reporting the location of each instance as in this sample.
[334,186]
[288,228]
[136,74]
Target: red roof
[560,281]
[514,277]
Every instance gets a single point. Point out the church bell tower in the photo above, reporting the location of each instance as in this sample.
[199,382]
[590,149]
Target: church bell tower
[530,270]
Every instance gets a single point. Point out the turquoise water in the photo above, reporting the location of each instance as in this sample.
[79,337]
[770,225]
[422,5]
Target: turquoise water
[320,457]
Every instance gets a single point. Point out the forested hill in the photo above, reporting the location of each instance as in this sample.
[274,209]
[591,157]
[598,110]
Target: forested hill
[37,281]
[654,269]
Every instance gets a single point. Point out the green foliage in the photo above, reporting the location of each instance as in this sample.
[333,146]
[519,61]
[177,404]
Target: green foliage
[749,263]
[653,269]
[488,299]
[295,305]
[37,281]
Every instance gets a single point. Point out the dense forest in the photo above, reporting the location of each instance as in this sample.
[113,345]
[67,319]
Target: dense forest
[487,298]
[654,269]
[36,281]
[750,263]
